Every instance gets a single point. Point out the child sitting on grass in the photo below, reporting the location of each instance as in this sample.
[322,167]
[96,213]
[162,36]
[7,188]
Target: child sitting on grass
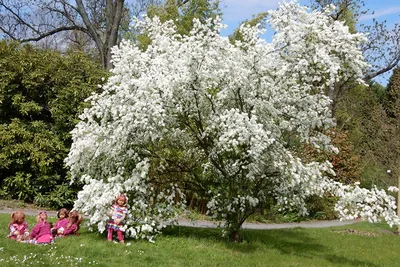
[61,224]
[73,224]
[18,227]
[41,233]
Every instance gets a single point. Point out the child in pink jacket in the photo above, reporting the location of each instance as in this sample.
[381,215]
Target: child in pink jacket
[61,224]
[18,227]
[73,224]
[41,233]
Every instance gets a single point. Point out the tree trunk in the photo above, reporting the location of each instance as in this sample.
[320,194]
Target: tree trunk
[114,11]
[233,230]
[235,236]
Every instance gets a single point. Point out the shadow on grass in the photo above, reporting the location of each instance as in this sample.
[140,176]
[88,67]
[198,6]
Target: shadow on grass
[298,242]
[340,261]
[214,234]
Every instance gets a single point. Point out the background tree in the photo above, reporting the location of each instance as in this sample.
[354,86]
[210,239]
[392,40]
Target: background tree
[257,20]
[29,21]
[392,108]
[41,95]
[382,50]
[361,111]
[392,104]
[84,24]
[182,13]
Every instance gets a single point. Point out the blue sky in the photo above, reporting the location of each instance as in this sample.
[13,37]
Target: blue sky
[236,11]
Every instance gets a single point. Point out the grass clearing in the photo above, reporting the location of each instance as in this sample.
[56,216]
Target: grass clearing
[360,244]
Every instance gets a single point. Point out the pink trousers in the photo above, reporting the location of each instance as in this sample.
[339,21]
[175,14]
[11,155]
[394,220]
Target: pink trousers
[119,234]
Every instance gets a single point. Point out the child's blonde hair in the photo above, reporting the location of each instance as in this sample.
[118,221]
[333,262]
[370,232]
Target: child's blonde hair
[42,216]
[15,216]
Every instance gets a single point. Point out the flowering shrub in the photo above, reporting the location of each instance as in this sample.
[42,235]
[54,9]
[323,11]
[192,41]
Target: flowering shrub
[218,114]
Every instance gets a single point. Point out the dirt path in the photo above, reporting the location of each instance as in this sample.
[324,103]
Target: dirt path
[211,224]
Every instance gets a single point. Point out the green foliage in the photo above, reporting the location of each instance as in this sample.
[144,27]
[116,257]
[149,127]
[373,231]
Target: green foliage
[348,14]
[392,104]
[374,136]
[259,19]
[61,196]
[373,173]
[379,91]
[347,11]
[182,15]
[322,208]
[41,96]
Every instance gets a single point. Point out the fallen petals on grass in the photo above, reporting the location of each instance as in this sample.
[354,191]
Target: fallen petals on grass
[50,257]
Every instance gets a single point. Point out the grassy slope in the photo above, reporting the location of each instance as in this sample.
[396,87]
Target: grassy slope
[181,246]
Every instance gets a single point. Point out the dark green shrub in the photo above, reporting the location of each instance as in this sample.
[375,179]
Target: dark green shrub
[41,96]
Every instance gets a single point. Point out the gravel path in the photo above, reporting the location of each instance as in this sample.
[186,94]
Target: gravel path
[262,226]
[211,224]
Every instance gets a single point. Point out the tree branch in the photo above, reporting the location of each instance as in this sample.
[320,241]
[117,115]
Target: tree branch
[182,2]
[19,19]
[390,66]
[91,30]
[61,29]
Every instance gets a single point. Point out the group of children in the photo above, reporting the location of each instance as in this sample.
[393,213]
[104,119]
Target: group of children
[43,232]
[68,224]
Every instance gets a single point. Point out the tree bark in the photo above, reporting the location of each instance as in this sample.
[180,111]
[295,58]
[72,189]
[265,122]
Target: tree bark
[114,10]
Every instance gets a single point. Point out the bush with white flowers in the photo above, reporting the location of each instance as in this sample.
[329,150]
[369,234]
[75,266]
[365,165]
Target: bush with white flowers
[220,114]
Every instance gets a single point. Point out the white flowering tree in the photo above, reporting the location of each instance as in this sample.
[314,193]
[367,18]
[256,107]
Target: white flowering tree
[219,114]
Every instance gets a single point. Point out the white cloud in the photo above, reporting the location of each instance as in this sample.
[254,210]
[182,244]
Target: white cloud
[381,13]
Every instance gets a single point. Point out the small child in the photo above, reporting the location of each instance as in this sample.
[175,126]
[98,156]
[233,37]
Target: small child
[41,233]
[73,224]
[18,227]
[118,213]
[61,224]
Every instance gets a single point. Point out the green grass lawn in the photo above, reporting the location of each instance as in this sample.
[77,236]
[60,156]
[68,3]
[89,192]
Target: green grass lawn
[361,244]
